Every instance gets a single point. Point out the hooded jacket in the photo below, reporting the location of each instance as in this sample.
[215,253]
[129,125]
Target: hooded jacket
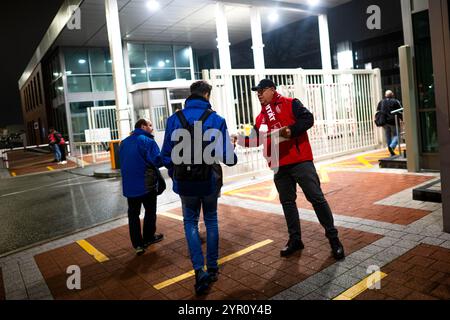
[195,106]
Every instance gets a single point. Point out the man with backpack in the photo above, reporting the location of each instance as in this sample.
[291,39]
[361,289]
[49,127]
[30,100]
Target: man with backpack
[196,140]
[384,118]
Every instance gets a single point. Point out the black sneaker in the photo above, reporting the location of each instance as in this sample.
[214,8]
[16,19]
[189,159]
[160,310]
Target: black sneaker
[202,282]
[156,238]
[391,151]
[292,247]
[140,251]
[337,248]
[213,274]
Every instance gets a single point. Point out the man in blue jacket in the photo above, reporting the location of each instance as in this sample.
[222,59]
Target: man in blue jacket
[140,159]
[197,176]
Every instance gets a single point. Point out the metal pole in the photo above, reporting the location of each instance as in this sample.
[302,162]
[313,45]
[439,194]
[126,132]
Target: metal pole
[398,135]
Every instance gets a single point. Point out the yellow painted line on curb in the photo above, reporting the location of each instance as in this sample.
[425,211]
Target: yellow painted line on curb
[361,286]
[50,169]
[191,273]
[13,174]
[100,257]
[324,178]
[364,162]
[170,215]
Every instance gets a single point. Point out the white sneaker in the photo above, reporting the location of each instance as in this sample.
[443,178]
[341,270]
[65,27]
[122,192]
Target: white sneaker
[60,162]
[63,162]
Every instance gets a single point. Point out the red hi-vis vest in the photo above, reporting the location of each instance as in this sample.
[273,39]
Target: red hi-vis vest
[276,115]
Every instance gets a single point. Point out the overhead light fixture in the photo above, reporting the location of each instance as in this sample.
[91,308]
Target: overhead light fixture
[143,71]
[55,74]
[167,61]
[273,17]
[149,69]
[82,61]
[133,75]
[69,72]
[127,36]
[161,64]
[60,88]
[153,5]
[110,61]
[313,2]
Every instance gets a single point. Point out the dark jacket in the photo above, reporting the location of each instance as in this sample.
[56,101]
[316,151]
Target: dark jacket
[138,153]
[194,108]
[387,106]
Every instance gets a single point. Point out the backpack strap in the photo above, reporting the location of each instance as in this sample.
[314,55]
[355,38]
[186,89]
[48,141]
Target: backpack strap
[183,120]
[185,123]
[206,115]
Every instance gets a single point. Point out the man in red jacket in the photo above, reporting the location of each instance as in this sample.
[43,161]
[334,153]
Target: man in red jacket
[282,127]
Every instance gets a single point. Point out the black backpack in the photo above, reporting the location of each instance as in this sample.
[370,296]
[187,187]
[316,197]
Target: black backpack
[192,171]
[381,117]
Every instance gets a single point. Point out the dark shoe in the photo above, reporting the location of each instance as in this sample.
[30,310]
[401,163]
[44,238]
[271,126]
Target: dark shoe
[140,251]
[202,282]
[292,247]
[337,248]
[213,274]
[391,151]
[156,238]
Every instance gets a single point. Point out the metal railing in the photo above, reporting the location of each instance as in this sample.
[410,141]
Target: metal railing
[343,103]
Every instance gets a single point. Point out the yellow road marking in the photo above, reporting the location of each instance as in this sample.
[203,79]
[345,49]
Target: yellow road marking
[100,257]
[171,215]
[13,174]
[361,286]
[364,162]
[191,273]
[271,197]
[50,169]
[324,178]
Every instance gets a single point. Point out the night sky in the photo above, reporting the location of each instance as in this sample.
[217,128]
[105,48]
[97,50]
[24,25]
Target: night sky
[22,26]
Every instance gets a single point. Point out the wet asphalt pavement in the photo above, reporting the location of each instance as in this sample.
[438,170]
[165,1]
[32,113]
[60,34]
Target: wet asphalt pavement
[41,207]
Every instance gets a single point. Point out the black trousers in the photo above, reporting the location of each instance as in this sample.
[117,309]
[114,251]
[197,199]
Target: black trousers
[134,209]
[305,175]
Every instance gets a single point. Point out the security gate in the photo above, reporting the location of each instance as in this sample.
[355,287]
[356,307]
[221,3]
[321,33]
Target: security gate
[343,104]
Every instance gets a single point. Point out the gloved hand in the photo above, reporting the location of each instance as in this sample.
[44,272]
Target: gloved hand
[286,133]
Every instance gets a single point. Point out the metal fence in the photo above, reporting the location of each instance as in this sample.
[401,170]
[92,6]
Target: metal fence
[343,104]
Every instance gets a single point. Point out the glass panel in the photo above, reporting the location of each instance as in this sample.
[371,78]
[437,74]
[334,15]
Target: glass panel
[102,83]
[138,75]
[58,88]
[100,60]
[184,74]
[76,61]
[106,103]
[162,74]
[136,55]
[177,94]
[79,83]
[424,60]
[429,136]
[182,56]
[79,119]
[159,56]
[160,115]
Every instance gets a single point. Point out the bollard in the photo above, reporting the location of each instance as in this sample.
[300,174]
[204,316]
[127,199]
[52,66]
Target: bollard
[114,154]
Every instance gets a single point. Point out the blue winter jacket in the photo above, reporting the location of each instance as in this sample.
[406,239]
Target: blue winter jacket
[195,106]
[136,153]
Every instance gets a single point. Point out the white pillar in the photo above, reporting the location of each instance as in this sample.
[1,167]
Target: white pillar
[325,48]
[115,48]
[257,40]
[228,109]
[223,42]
